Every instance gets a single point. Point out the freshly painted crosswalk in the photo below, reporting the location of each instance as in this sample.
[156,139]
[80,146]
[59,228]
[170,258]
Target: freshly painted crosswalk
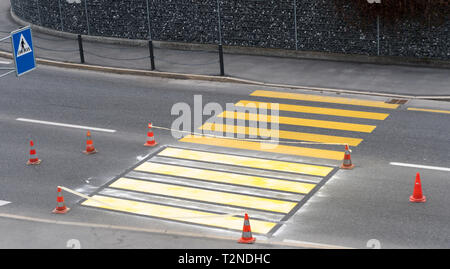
[299,136]
[218,197]
[323,99]
[225,177]
[283,166]
[213,180]
[325,124]
[250,120]
[266,147]
[177,214]
[230,193]
[317,110]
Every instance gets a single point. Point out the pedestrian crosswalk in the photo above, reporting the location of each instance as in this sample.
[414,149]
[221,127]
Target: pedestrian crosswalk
[318,110]
[201,194]
[204,156]
[323,99]
[354,127]
[265,147]
[214,180]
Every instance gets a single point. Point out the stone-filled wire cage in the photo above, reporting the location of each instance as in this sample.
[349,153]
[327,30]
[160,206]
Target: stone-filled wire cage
[426,12]
[408,28]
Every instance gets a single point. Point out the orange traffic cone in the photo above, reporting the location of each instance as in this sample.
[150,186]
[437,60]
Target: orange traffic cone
[61,206]
[90,149]
[247,237]
[417,196]
[150,137]
[347,164]
[33,155]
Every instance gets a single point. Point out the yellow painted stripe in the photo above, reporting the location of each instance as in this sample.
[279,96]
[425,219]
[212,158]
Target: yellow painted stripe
[265,147]
[281,134]
[323,99]
[318,110]
[178,214]
[299,121]
[225,177]
[282,166]
[224,198]
[429,110]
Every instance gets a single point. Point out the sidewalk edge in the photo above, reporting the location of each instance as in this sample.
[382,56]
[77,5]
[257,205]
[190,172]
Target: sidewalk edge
[169,75]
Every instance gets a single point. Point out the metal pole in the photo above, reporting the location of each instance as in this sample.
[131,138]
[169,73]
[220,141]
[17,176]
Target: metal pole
[150,41]
[295,24]
[222,67]
[60,15]
[80,47]
[152,57]
[87,17]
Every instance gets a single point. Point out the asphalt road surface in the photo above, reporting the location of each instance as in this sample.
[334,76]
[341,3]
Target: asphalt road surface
[193,193]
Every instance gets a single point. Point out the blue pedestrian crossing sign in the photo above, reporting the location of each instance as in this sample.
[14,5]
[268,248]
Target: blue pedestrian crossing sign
[23,51]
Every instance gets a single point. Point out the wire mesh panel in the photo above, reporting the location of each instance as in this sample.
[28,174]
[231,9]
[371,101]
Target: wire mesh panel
[336,26]
[319,29]
[106,17]
[192,21]
[259,23]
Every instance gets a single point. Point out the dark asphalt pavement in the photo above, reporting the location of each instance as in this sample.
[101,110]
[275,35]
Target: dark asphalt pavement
[369,202]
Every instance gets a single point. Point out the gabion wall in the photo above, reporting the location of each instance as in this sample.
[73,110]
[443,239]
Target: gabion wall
[307,25]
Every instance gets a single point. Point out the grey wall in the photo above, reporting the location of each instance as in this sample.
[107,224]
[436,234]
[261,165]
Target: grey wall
[315,26]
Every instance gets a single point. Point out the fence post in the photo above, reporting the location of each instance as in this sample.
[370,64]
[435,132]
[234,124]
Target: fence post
[150,41]
[80,47]
[222,67]
[152,57]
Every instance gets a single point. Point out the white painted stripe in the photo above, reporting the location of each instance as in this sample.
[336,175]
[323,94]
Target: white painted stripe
[4,62]
[4,202]
[67,125]
[421,166]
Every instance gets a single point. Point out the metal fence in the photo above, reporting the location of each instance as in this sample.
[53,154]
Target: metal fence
[307,25]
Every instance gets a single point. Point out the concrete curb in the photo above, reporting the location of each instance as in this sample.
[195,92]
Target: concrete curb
[312,55]
[169,75]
